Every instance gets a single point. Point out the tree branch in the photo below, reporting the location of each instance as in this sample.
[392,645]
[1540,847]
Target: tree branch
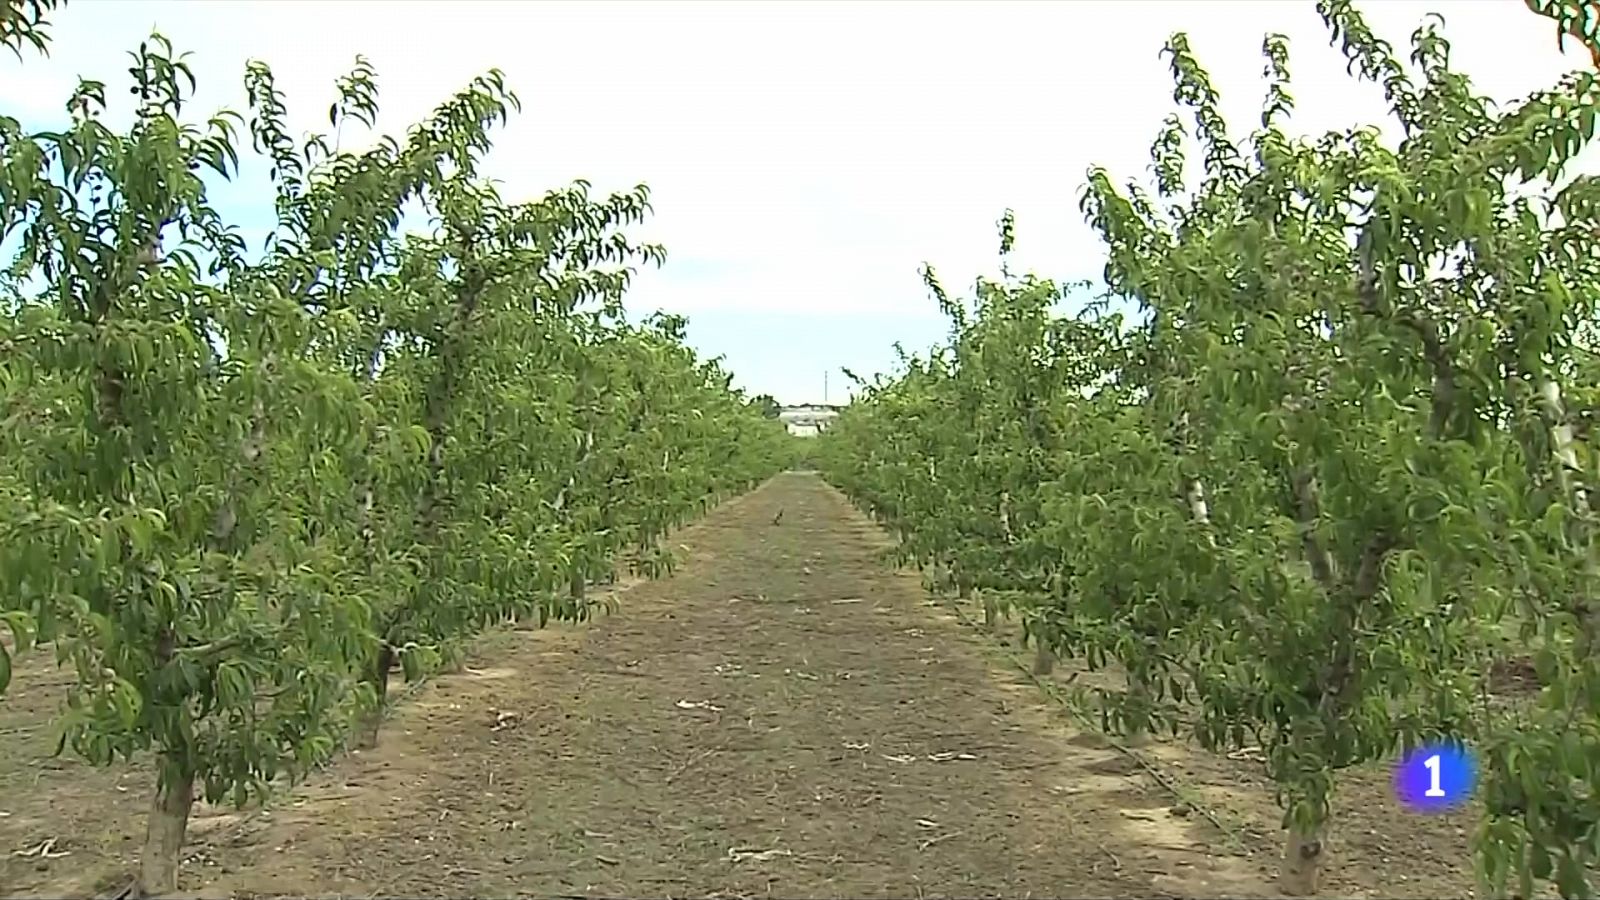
[1307,510]
[1369,297]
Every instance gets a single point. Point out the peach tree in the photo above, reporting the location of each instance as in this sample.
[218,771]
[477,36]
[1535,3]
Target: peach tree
[162,421]
[1362,325]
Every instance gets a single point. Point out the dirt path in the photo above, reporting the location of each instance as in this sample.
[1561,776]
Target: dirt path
[784,717]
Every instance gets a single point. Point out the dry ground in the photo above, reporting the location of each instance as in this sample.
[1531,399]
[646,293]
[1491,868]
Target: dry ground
[784,717]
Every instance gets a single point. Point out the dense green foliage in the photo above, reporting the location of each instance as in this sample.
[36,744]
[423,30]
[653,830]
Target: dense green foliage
[1301,498]
[239,490]
[1335,461]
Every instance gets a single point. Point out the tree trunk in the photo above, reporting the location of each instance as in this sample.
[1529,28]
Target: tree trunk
[575,589]
[1303,855]
[1139,693]
[367,728]
[1044,660]
[165,830]
[454,661]
[1562,442]
[1194,493]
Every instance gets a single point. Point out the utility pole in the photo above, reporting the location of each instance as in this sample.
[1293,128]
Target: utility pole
[824,387]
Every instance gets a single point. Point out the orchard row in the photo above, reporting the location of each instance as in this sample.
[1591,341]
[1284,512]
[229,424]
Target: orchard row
[238,491]
[1321,458]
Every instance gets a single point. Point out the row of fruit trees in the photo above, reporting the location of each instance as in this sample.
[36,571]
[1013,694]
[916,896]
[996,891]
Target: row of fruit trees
[1322,456]
[238,491]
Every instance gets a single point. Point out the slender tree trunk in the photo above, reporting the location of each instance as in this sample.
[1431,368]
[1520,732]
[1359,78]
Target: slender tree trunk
[1194,493]
[1139,696]
[166,829]
[1044,660]
[1569,474]
[455,659]
[1562,442]
[367,729]
[1304,852]
[575,589]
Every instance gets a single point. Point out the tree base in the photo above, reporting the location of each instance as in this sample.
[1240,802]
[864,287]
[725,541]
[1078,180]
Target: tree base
[165,832]
[1303,855]
[1044,661]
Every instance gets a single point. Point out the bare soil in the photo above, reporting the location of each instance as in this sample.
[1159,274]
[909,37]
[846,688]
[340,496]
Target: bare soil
[784,717]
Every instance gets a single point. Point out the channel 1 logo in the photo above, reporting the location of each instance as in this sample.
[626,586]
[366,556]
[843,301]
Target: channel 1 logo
[1436,777]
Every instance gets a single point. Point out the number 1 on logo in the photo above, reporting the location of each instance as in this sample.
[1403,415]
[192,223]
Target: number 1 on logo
[1434,790]
[1435,777]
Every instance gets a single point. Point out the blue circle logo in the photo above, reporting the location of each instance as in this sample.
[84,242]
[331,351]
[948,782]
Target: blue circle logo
[1435,777]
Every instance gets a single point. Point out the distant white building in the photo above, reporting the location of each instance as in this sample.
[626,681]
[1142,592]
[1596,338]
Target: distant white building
[807,421]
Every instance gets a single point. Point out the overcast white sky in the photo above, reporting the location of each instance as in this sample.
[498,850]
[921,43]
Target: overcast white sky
[805,157]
